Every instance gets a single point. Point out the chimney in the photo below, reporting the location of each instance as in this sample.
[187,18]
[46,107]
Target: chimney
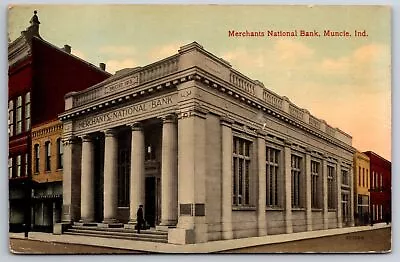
[102,66]
[67,49]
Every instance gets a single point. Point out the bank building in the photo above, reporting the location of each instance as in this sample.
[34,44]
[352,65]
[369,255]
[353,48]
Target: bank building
[209,152]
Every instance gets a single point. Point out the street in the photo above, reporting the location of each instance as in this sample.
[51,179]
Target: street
[374,240]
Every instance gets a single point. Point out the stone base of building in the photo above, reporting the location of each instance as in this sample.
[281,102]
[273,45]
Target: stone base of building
[181,236]
[110,225]
[60,228]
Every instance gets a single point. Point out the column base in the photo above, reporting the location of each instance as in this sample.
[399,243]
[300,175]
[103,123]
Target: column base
[60,228]
[181,236]
[131,225]
[164,228]
[108,224]
[85,223]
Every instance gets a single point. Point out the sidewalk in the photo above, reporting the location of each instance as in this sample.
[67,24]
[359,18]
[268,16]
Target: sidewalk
[209,247]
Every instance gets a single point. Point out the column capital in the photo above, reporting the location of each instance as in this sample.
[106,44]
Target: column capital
[288,143]
[170,118]
[308,150]
[136,126]
[87,138]
[70,140]
[195,110]
[226,121]
[110,132]
[261,133]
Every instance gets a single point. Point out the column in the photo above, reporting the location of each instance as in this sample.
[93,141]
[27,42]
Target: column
[351,196]
[137,179]
[226,202]
[110,176]
[71,183]
[339,193]
[325,192]
[288,187]
[87,180]
[169,172]
[262,184]
[308,190]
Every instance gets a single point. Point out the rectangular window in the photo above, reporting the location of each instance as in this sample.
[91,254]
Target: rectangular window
[345,177]
[381,212]
[11,118]
[48,155]
[241,172]
[272,169]
[315,166]
[37,158]
[367,178]
[359,176]
[373,212]
[10,167]
[19,115]
[26,165]
[60,152]
[381,183]
[27,111]
[296,181]
[18,165]
[373,180]
[331,187]
[363,178]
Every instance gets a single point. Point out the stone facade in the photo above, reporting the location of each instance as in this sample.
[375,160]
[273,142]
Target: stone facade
[233,159]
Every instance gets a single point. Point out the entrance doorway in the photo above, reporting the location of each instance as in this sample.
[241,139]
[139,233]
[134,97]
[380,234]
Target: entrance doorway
[152,201]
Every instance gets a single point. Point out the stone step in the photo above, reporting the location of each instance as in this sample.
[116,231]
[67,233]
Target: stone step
[124,230]
[100,234]
[146,235]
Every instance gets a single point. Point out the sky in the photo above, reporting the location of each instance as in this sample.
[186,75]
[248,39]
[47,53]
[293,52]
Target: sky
[345,81]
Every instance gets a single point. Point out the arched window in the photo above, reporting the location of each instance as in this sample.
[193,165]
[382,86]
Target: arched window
[37,158]
[48,155]
[60,151]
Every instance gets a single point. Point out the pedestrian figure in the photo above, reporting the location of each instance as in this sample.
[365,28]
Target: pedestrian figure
[139,218]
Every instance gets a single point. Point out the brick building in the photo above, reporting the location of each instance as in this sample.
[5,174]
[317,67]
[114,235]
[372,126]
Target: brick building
[40,74]
[380,187]
[361,188]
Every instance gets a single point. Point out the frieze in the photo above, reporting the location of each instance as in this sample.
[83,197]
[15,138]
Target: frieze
[125,112]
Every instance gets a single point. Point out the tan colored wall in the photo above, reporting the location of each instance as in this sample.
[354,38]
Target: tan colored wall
[50,131]
[361,160]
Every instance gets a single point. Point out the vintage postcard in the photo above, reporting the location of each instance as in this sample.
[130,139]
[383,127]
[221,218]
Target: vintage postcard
[199,129]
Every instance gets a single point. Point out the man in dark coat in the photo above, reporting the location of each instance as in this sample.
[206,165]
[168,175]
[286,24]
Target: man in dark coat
[139,218]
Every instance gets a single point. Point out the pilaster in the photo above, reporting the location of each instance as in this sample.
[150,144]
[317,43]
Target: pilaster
[288,187]
[339,193]
[226,202]
[308,190]
[262,183]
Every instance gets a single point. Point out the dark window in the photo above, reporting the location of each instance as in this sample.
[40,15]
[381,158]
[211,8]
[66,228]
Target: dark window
[296,181]
[37,157]
[47,146]
[60,153]
[272,170]
[331,187]
[11,118]
[241,172]
[19,115]
[315,170]
[27,111]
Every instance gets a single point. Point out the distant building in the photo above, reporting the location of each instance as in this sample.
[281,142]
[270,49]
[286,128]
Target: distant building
[209,152]
[40,74]
[361,188]
[47,173]
[380,187]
